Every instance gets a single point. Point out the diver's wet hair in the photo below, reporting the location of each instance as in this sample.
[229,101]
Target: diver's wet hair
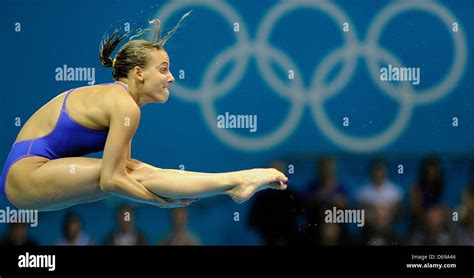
[136,51]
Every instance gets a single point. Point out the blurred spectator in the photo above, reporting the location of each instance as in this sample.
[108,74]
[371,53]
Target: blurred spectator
[380,231]
[428,191]
[17,235]
[467,198]
[331,234]
[274,214]
[126,233]
[325,192]
[465,234]
[434,230]
[380,193]
[72,231]
[180,234]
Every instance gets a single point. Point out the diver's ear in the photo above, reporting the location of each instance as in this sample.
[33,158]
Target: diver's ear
[138,73]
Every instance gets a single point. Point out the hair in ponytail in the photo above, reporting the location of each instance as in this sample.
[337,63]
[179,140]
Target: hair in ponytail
[134,52]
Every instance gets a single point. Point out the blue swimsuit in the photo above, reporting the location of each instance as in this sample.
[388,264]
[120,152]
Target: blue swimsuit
[67,139]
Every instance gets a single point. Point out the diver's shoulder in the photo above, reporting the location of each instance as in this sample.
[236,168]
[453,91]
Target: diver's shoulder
[116,97]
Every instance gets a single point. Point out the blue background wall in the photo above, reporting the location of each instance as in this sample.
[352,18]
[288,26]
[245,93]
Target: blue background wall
[58,33]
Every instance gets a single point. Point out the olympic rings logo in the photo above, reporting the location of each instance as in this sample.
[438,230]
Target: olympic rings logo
[318,91]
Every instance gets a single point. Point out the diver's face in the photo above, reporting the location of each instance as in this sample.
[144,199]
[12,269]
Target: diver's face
[157,76]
